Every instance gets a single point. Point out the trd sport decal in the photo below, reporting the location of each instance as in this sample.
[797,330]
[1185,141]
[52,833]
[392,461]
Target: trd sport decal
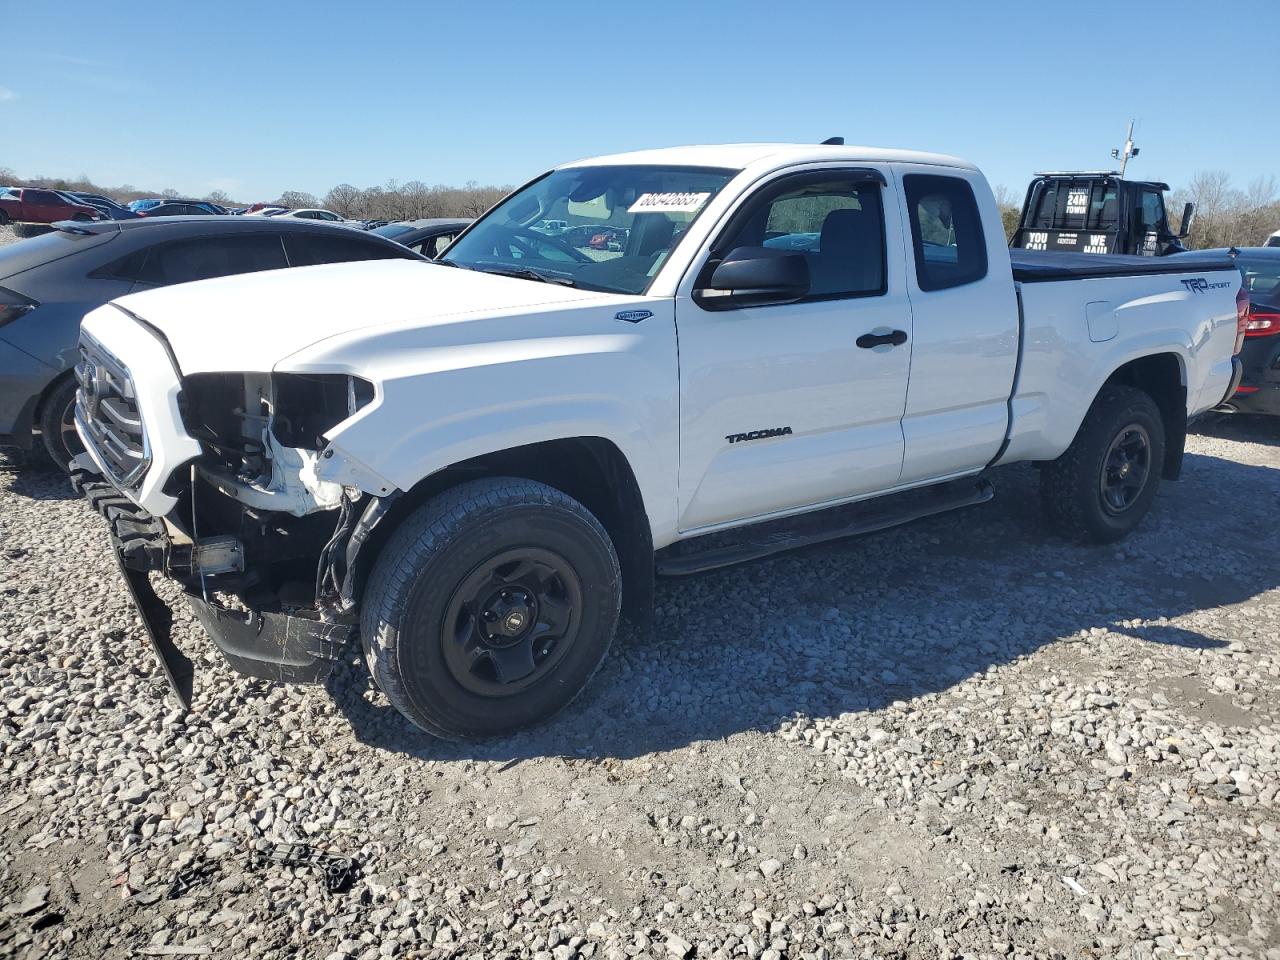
[759,434]
[1200,285]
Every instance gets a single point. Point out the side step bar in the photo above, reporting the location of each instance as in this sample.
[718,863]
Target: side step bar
[754,542]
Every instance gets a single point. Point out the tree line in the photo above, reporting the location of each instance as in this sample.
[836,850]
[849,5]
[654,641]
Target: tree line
[1225,215]
[393,200]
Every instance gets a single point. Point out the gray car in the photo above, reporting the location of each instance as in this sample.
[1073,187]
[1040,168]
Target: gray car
[48,283]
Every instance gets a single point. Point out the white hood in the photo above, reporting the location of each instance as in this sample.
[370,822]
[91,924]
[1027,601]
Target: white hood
[250,322]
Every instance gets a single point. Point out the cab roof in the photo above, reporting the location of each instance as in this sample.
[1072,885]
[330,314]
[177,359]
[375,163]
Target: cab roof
[739,156]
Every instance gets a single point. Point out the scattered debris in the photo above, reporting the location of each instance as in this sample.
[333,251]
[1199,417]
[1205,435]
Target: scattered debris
[184,880]
[1075,887]
[338,872]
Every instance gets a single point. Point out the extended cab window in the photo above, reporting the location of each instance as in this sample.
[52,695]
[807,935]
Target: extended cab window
[185,260]
[308,249]
[946,231]
[836,222]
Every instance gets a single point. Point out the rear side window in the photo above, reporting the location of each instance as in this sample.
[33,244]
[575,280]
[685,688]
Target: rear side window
[946,231]
[308,249]
[128,267]
[185,260]
[433,246]
[1261,280]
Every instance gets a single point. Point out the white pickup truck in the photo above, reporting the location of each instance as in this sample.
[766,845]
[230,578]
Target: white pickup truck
[478,464]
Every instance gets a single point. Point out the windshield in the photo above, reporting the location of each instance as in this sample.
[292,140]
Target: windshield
[603,228]
[393,230]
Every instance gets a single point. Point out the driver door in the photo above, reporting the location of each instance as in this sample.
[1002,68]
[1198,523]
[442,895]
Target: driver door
[780,406]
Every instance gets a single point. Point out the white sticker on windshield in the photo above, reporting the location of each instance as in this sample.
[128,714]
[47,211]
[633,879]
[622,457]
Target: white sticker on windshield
[668,202]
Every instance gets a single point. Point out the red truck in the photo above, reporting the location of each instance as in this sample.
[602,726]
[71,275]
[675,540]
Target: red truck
[33,205]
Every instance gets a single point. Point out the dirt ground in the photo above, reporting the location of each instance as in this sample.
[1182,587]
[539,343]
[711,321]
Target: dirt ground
[962,738]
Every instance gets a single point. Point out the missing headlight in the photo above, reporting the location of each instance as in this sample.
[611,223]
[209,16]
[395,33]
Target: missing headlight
[306,405]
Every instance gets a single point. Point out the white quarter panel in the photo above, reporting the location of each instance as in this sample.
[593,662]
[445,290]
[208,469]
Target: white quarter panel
[964,352]
[1064,366]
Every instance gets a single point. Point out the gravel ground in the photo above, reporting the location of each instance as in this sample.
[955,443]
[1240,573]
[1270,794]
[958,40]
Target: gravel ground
[962,738]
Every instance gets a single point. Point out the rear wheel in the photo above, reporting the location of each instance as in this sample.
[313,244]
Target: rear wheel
[1103,486]
[490,608]
[58,424]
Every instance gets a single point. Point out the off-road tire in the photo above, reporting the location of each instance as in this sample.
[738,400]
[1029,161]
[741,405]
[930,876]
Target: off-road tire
[427,561]
[62,448]
[1070,487]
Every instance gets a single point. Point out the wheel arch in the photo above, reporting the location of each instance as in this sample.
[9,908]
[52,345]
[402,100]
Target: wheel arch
[1163,377]
[592,470]
[58,381]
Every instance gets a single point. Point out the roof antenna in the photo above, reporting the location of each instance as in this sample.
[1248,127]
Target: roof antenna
[833,142]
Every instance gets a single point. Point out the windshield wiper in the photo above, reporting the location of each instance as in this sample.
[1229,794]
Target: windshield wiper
[524,273]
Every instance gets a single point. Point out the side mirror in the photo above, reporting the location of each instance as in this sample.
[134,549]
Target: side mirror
[755,277]
[1188,214]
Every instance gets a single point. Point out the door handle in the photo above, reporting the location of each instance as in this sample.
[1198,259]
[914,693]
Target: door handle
[895,338]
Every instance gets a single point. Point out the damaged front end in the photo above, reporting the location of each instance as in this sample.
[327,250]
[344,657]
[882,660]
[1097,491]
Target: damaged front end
[262,547]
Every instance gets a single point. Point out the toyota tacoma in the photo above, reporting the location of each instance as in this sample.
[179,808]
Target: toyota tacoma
[475,466]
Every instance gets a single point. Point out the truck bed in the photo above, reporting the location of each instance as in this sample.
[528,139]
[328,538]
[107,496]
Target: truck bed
[1039,266]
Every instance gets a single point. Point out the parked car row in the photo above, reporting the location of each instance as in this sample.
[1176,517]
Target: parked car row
[37,205]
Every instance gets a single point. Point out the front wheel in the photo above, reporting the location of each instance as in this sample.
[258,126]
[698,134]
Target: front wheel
[490,608]
[1103,486]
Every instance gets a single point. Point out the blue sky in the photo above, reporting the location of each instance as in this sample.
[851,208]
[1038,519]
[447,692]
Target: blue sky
[257,98]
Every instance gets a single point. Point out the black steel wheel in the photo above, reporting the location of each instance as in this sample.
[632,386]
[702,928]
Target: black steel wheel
[511,621]
[1124,469]
[1103,486]
[490,607]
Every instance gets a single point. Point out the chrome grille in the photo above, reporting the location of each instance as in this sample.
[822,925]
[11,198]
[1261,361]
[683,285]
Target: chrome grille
[107,413]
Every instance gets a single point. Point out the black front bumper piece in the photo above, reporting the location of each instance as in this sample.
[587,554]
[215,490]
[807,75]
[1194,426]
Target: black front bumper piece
[291,646]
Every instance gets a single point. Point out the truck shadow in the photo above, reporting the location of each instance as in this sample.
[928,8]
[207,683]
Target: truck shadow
[909,613]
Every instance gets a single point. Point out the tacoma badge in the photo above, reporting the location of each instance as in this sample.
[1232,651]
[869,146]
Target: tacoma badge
[759,434]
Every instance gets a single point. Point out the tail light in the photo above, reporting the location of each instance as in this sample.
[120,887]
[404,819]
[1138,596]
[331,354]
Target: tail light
[1242,318]
[1262,324]
[13,305]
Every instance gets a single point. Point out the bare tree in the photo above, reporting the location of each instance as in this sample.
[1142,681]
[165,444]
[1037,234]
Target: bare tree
[344,200]
[219,197]
[1226,216]
[1010,209]
[297,200]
